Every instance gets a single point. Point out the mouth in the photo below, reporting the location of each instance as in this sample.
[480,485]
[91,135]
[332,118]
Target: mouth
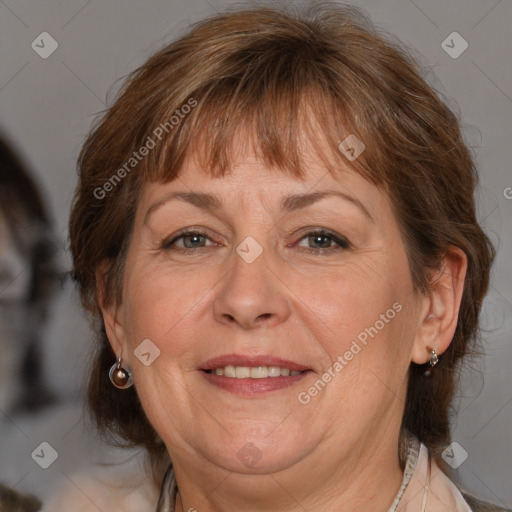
[252,375]
[253,372]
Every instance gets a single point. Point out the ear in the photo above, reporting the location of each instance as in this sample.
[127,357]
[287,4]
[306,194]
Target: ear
[111,312]
[440,307]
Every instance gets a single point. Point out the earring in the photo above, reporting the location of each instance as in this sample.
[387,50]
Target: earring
[434,359]
[119,376]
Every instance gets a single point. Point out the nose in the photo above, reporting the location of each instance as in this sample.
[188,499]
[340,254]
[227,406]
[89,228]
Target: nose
[251,295]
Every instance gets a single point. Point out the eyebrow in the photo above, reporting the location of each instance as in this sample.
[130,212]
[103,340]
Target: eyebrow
[289,203]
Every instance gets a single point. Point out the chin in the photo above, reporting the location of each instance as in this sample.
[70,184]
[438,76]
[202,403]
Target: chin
[250,460]
[262,452]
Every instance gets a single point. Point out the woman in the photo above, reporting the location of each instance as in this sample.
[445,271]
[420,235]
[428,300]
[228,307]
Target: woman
[285,277]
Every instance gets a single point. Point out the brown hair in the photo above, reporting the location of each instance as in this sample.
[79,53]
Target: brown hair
[325,70]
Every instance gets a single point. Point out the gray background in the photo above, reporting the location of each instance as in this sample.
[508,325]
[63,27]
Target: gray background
[47,106]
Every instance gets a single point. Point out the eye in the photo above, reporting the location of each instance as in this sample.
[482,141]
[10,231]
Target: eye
[322,239]
[192,239]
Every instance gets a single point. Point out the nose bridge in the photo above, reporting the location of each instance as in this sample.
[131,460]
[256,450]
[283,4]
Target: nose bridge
[250,293]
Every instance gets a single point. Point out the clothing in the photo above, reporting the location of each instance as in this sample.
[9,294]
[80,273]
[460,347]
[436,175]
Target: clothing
[424,488]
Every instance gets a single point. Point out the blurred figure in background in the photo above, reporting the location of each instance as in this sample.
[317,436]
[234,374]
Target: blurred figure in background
[33,403]
[27,278]
[12,501]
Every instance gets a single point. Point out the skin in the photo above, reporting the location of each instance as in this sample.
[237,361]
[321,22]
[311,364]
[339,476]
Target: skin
[339,451]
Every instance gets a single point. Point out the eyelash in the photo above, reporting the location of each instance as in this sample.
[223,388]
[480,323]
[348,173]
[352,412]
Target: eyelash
[343,243]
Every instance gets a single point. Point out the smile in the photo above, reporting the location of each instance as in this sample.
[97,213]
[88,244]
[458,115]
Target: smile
[252,375]
[254,372]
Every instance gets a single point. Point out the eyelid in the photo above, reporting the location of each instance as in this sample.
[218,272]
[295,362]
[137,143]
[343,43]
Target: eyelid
[307,230]
[340,240]
[167,241]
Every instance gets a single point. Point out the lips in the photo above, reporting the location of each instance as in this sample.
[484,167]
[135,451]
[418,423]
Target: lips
[252,375]
[251,362]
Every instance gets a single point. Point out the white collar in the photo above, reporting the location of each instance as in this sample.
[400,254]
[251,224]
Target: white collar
[425,488]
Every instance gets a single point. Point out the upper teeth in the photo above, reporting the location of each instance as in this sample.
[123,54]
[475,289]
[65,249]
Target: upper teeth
[254,372]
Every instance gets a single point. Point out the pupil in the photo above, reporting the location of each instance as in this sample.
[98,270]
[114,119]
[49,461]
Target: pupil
[318,239]
[192,239]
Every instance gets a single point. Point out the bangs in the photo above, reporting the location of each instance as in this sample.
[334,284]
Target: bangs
[280,110]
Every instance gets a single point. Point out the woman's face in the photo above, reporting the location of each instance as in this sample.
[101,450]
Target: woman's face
[255,292]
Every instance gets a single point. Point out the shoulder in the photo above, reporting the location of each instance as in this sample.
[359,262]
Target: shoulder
[481,506]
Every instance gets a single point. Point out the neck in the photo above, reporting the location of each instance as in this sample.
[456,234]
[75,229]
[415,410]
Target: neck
[365,480]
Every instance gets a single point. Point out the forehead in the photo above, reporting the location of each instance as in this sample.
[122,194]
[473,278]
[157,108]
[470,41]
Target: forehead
[249,179]
[250,186]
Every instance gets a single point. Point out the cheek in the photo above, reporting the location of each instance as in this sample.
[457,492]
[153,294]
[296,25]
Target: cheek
[363,319]
[158,303]
[350,303]
[366,336]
